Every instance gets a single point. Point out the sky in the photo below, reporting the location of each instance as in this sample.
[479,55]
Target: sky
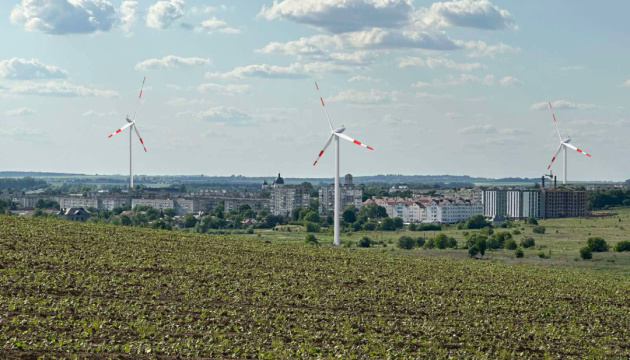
[456,87]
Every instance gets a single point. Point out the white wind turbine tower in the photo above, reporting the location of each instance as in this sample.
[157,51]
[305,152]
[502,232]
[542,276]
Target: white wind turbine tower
[336,133]
[564,144]
[131,123]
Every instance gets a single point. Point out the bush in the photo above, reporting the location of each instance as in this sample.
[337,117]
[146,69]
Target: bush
[516,232]
[430,227]
[370,226]
[532,221]
[493,244]
[510,244]
[312,227]
[597,244]
[388,224]
[420,242]
[250,229]
[528,242]
[585,253]
[412,227]
[501,237]
[311,239]
[477,222]
[539,229]
[519,253]
[622,246]
[473,238]
[542,255]
[487,231]
[406,242]
[441,241]
[452,243]
[473,251]
[365,242]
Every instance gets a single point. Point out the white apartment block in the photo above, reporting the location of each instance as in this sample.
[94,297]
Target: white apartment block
[451,211]
[68,202]
[112,203]
[523,203]
[159,204]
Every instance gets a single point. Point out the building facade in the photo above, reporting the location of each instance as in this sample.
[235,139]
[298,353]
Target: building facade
[351,195]
[564,203]
[285,198]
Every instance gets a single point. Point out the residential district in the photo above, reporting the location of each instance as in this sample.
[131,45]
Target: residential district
[449,206]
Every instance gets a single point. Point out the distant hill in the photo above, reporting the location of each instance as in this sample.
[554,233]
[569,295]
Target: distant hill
[33,174]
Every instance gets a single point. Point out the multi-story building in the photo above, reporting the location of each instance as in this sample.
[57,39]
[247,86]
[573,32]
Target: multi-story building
[564,203]
[451,211]
[186,206]
[159,204]
[524,203]
[351,195]
[495,203]
[78,201]
[285,198]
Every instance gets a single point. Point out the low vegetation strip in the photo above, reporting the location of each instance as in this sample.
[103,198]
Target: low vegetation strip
[100,291]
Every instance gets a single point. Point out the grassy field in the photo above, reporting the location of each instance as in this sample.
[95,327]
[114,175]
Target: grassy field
[562,241]
[71,290]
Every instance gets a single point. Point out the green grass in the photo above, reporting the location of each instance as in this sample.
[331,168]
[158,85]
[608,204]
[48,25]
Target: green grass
[563,238]
[73,290]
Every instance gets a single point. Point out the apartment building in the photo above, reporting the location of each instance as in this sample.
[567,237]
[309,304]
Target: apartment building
[285,198]
[350,195]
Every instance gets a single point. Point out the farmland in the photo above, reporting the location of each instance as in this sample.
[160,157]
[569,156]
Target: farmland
[74,290]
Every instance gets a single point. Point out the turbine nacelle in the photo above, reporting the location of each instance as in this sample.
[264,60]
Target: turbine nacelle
[567,140]
[128,119]
[339,130]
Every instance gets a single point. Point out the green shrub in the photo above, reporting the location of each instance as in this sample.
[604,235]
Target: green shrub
[528,242]
[477,222]
[430,227]
[365,242]
[543,255]
[311,239]
[406,242]
[622,246]
[539,229]
[412,227]
[510,244]
[597,244]
[585,253]
[420,242]
[487,231]
[519,253]
[473,251]
[532,221]
[493,244]
[516,232]
[312,227]
[441,241]
[452,243]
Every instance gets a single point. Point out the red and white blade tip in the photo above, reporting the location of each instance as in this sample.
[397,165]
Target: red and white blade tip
[316,85]
[365,146]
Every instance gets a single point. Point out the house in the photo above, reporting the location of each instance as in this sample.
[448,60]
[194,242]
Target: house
[75,214]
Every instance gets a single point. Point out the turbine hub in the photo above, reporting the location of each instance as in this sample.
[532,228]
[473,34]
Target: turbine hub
[128,119]
[339,130]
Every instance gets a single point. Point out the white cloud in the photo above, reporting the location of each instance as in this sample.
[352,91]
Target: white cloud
[27,134]
[164,13]
[20,112]
[224,115]
[94,113]
[358,97]
[626,83]
[230,89]
[23,69]
[563,104]
[431,96]
[213,24]
[362,78]
[59,89]
[172,62]
[462,79]
[435,62]
[293,71]
[509,80]
[481,49]
[65,16]
[479,129]
[479,14]
[128,10]
[339,16]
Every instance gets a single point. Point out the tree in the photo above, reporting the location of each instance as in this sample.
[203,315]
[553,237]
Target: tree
[183,189]
[312,227]
[597,244]
[126,220]
[406,242]
[388,224]
[398,223]
[190,221]
[473,251]
[372,211]
[46,204]
[519,252]
[585,253]
[481,245]
[313,217]
[413,227]
[349,214]
[477,222]
[510,244]
[532,221]
[169,212]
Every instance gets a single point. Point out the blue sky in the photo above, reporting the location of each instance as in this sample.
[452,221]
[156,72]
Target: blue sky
[454,87]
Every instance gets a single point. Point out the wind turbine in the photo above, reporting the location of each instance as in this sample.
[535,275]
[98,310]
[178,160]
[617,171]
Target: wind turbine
[564,144]
[337,134]
[131,123]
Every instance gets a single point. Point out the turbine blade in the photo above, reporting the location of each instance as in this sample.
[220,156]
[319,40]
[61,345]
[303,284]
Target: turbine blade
[554,121]
[324,106]
[121,129]
[554,156]
[140,137]
[139,97]
[323,149]
[576,149]
[343,136]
